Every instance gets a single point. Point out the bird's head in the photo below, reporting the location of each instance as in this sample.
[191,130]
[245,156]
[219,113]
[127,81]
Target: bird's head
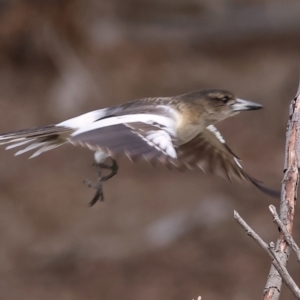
[219,104]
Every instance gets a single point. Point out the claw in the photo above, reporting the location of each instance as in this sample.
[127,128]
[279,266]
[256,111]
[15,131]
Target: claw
[98,186]
[99,191]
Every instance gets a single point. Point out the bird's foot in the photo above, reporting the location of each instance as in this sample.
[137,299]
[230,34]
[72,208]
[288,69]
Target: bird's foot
[99,191]
[98,185]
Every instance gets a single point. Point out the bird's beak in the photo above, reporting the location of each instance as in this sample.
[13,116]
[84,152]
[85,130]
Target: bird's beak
[241,104]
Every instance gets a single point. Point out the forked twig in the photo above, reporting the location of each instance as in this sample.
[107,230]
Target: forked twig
[287,236]
[269,249]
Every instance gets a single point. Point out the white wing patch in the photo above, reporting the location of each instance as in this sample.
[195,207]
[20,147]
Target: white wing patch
[166,122]
[9,140]
[14,144]
[217,133]
[31,147]
[84,120]
[45,148]
[161,140]
[237,162]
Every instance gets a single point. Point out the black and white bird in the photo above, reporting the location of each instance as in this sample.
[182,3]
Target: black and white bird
[176,131]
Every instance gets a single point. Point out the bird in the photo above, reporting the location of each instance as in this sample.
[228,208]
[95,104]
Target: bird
[178,132]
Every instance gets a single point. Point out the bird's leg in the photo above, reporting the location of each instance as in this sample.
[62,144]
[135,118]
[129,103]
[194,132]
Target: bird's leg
[98,185]
[113,168]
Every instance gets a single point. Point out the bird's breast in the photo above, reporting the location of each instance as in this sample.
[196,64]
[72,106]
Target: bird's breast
[189,123]
[188,132]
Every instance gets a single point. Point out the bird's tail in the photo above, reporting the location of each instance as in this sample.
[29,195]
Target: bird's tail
[40,139]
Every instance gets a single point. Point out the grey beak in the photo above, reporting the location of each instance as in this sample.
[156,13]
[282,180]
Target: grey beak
[241,104]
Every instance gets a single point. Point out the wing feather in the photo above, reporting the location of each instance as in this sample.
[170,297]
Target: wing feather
[209,151]
[143,135]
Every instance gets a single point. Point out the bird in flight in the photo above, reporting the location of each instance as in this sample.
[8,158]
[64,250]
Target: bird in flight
[177,131]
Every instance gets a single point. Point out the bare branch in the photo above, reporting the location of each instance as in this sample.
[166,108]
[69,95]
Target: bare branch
[269,249]
[287,236]
[288,197]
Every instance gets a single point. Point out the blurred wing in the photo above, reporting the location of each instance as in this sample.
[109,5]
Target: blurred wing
[139,135]
[209,152]
[39,139]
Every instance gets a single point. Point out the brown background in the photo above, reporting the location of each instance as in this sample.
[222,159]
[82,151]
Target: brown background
[159,234]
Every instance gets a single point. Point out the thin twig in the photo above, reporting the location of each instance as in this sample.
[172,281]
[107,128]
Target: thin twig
[269,249]
[287,236]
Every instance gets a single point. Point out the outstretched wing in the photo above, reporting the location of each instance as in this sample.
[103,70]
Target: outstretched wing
[138,129]
[209,152]
[148,135]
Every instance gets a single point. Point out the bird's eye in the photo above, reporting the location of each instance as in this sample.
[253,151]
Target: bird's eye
[225,99]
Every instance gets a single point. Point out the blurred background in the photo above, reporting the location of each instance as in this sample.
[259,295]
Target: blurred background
[159,234]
